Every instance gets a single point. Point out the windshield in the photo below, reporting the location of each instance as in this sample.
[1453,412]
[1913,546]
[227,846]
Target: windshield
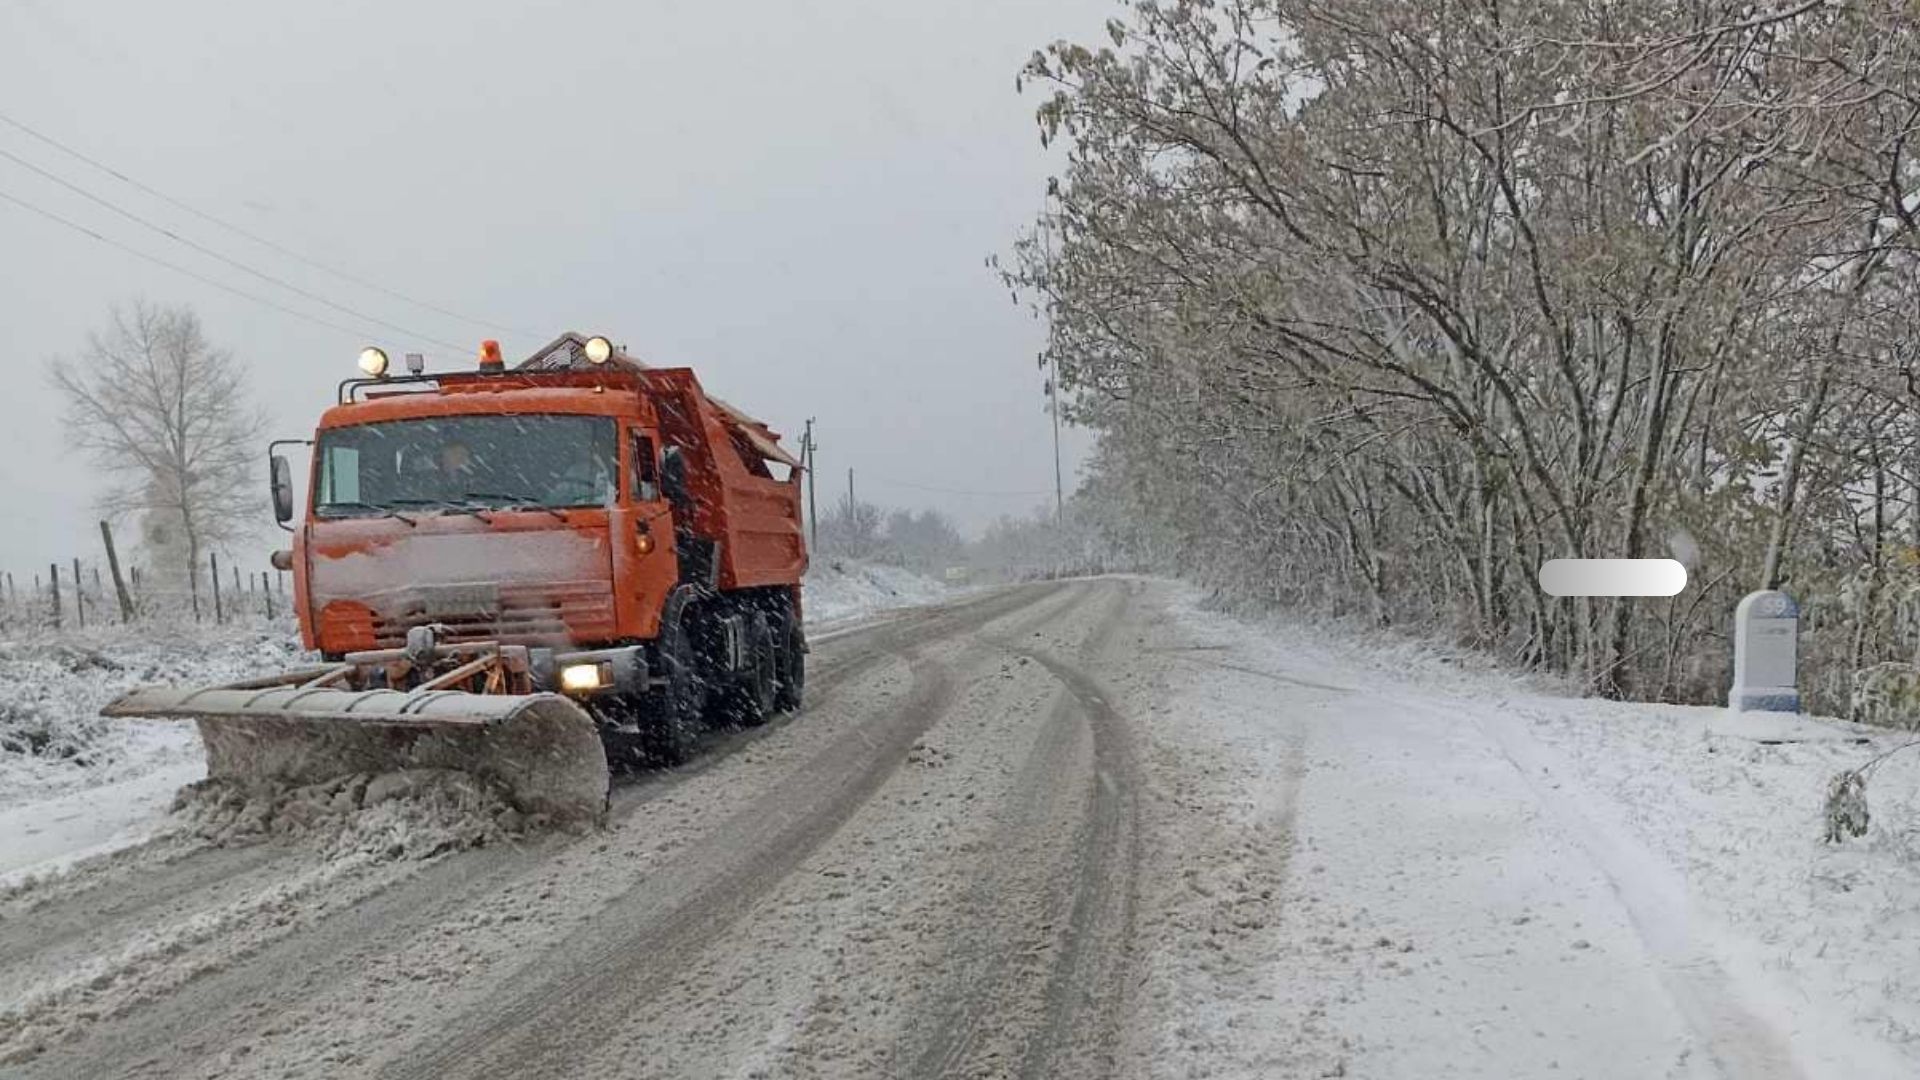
[467,461]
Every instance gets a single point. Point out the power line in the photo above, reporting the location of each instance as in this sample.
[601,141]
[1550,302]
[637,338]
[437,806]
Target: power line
[261,240]
[954,491]
[212,254]
[177,268]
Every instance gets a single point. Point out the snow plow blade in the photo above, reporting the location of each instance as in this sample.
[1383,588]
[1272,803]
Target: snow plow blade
[544,749]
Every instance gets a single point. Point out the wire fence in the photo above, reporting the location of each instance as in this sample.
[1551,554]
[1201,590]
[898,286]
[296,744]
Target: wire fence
[85,592]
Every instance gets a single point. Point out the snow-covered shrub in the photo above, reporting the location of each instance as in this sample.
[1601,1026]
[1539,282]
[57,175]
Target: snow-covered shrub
[1887,695]
[1846,806]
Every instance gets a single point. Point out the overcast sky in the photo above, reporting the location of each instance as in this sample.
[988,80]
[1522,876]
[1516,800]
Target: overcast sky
[794,199]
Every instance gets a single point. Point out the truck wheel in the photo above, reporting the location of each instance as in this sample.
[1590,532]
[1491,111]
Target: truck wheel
[792,673]
[751,701]
[670,714]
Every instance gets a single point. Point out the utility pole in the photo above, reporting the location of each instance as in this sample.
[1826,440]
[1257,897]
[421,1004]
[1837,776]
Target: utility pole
[813,502]
[1053,406]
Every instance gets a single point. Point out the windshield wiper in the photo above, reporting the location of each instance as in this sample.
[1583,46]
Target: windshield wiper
[517,501]
[454,505]
[383,511]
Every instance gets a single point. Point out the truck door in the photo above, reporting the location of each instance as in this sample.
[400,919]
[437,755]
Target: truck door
[644,564]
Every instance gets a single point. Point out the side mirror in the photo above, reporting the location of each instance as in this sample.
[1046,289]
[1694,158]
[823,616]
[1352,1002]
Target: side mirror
[673,476]
[282,489]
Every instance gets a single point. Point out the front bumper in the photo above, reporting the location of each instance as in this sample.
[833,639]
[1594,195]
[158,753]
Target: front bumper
[623,670]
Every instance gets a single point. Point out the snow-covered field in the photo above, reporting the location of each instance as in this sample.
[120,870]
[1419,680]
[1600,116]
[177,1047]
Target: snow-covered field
[72,783]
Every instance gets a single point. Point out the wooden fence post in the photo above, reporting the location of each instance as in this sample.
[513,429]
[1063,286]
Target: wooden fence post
[55,578]
[213,560]
[266,594]
[79,595]
[113,567]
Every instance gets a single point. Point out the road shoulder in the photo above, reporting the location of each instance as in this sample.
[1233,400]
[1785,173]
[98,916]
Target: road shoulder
[1376,864]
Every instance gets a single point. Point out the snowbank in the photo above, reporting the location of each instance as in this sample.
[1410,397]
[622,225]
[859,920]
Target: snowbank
[839,590]
[73,784]
[52,738]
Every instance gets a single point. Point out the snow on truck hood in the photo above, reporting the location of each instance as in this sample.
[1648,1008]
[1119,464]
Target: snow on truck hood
[448,568]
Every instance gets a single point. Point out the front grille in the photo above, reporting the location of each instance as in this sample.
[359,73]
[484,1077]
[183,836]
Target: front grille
[563,613]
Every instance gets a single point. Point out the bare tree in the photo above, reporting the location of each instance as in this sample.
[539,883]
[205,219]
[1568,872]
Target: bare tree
[165,414]
[927,540]
[852,529]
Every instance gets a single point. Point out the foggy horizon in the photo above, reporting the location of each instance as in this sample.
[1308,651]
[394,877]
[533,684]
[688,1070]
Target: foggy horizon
[798,206]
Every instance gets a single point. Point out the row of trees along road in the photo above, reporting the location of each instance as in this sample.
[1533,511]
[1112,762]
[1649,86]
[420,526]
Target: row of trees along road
[165,416]
[1378,306]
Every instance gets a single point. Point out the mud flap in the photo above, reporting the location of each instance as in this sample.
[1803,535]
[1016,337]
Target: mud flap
[544,749]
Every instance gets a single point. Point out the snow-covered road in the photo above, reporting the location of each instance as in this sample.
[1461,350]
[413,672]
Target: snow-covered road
[1073,829]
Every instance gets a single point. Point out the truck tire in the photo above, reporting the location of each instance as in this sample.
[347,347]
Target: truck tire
[750,702]
[791,674]
[670,714]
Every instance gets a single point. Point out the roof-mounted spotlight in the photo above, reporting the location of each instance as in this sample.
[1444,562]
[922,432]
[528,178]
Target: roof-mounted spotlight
[373,361]
[599,350]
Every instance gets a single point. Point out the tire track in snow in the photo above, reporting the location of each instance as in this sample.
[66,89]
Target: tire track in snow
[558,1014]
[840,955]
[1086,994]
[117,900]
[574,993]
[1037,969]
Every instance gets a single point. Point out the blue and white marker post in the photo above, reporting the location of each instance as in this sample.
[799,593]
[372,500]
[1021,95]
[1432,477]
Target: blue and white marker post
[1766,644]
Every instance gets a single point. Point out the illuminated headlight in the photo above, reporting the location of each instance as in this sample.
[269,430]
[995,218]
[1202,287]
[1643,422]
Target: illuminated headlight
[579,678]
[374,362]
[599,350]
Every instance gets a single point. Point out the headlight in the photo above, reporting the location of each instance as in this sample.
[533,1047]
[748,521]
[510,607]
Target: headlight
[579,678]
[599,350]
[374,362]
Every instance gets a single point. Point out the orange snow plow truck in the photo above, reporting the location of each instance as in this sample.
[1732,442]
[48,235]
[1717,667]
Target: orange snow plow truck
[523,574]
